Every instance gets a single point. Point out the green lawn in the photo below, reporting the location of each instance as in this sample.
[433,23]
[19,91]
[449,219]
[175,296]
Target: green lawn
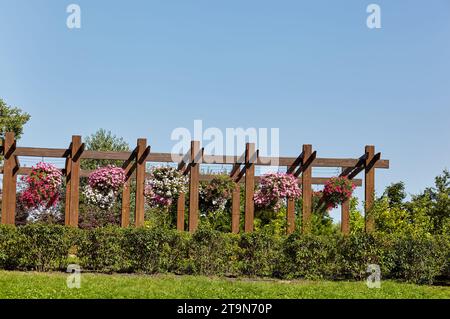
[53,285]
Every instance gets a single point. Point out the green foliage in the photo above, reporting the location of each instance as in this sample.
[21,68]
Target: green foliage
[103,140]
[395,194]
[12,119]
[211,253]
[321,222]
[414,258]
[8,247]
[35,247]
[150,251]
[436,202]
[271,222]
[400,221]
[358,251]
[420,259]
[357,222]
[310,257]
[259,254]
[100,249]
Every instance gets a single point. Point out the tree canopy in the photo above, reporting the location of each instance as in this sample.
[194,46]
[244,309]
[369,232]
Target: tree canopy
[12,119]
[104,140]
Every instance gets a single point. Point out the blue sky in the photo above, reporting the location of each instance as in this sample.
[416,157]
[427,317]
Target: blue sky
[311,68]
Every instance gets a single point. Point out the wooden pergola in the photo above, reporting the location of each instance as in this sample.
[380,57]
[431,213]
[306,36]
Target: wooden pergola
[243,171]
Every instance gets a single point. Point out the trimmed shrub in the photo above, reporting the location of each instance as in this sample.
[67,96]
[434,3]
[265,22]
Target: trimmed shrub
[35,247]
[357,251]
[100,249]
[212,253]
[259,254]
[417,259]
[151,250]
[310,257]
[8,247]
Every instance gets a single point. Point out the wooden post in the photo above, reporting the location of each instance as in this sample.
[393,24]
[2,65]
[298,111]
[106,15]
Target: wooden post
[9,181]
[345,215]
[74,180]
[249,186]
[290,212]
[369,187]
[140,182]
[125,217]
[236,209]
[194,177]
[126,193]
[68,175]
[306,190]
[180,211]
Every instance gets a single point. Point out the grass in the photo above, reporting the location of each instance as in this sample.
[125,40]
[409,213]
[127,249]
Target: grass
[53,285]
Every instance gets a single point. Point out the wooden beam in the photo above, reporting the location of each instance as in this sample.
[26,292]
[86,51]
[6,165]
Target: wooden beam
[67,171]
[141,157]
[9,184]
[203,178]
[74,180]
[194,174]
[306,164]
[129,166]
[210,159]
[236,209]
[291,168]
[290,215]
[250,159]
[369,188]
[180,211]
[345,215]
[306,189]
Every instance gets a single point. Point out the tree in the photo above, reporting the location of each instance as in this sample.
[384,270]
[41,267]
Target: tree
[436,201]
[395,194]
[12,119]
[103,140]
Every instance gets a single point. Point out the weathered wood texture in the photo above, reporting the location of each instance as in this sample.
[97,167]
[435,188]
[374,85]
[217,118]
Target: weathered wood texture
[250,159]
[369,188]
[194,175]
[10,171]
[140,181]
[306,189]
[181,202]
[73,182]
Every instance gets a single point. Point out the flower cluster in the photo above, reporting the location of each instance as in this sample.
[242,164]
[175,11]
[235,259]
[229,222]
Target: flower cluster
[107,178]
[215,194]
[274,189]
[104,185]
[164,184]
[42,187]
[337,190]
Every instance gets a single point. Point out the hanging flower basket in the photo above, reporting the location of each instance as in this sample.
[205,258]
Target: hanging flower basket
[274,189]
[104,185]
[337,190]
[42,187]
[164,185]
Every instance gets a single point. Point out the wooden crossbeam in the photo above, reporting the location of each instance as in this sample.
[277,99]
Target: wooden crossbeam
[294,165]
[307,164]
[208,159]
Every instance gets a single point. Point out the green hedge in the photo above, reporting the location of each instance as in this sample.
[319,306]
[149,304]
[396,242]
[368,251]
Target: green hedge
[207,252]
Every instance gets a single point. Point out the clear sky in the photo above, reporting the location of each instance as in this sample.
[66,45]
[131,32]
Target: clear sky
[311,68]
